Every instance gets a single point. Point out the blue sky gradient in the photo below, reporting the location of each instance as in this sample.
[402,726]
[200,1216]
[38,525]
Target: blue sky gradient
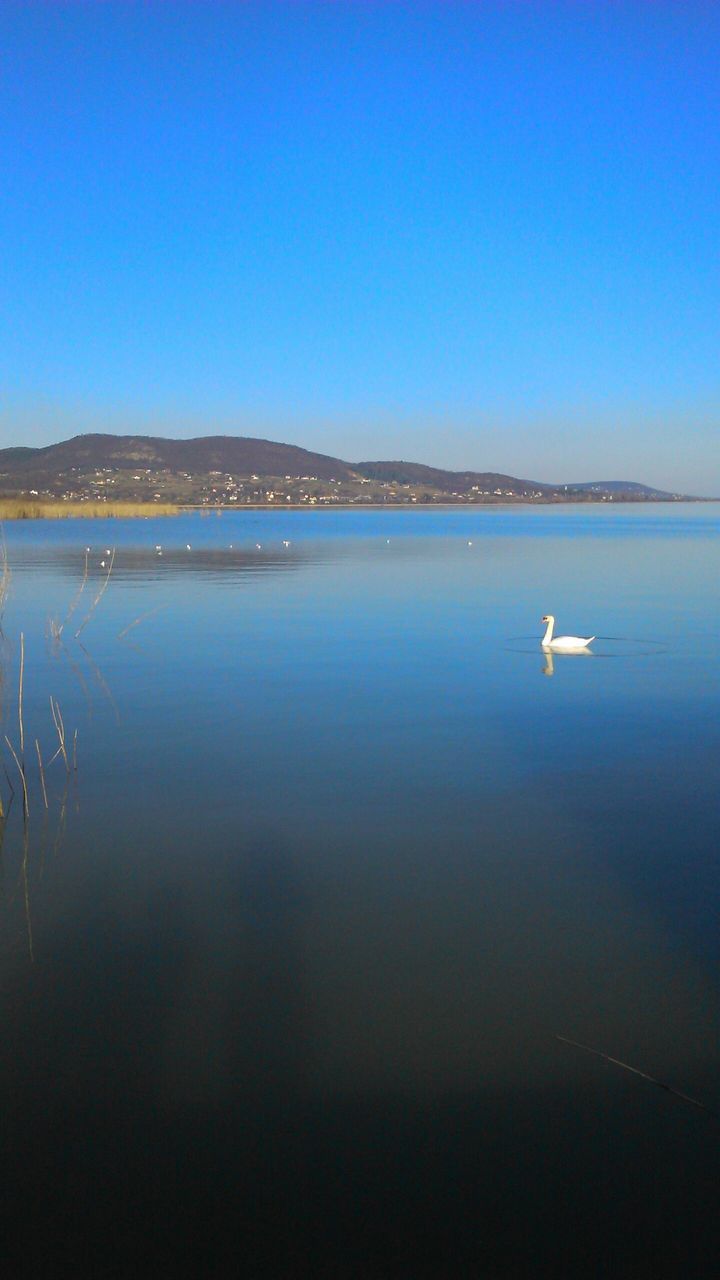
[475,235]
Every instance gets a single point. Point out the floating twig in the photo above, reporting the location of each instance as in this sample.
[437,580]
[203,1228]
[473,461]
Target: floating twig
[142,618]
[660,1084]
[100,680]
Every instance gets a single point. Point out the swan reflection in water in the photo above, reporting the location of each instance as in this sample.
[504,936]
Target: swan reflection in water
[549,656]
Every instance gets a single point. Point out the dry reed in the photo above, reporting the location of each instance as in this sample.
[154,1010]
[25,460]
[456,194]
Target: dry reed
[57,631]
[20,698]
[60,728]
[20,760]
[4,575]
[26,890]
[42,772]
[23,779]
[98,597]
[20,509]
[67,747]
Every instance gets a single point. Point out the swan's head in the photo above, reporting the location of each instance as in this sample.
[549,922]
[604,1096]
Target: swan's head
[547,617]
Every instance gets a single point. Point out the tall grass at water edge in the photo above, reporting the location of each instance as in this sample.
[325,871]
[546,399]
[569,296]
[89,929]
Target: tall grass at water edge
[21,509]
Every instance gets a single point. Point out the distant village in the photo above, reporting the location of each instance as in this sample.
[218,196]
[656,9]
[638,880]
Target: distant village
[222,489]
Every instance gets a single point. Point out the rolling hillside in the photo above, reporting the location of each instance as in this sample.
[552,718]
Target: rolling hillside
[212,470]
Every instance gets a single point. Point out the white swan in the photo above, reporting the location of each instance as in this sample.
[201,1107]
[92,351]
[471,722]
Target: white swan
[562,644]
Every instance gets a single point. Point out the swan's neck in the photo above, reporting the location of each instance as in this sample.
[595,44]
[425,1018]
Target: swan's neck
[547,638]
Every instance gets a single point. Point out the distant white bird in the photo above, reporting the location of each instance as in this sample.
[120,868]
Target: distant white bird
[107,551]
[469,544]
[102,564]
[285,542]
[562,644]
[258,546]
[188,547]
[387,540]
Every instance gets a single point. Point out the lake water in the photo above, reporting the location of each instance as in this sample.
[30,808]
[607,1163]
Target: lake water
[284,961]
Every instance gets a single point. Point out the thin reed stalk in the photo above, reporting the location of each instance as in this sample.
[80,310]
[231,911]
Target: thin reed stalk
[98,597]
[76,599]
[625,1066]
[8,779]
[20,760]
[60,831]
[26,890]
[42,772]
[60,728]
[62,648]
[20,697]
[4,575]
[21,771]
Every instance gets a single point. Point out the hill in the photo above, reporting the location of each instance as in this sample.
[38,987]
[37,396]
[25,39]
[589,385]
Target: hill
[233,454]
[218,470]
[627,487]
[459,482]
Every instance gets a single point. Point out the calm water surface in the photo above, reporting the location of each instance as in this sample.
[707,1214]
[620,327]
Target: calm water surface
[284,962]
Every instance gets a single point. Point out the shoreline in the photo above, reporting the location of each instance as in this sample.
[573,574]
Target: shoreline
[144,511]
[440,506]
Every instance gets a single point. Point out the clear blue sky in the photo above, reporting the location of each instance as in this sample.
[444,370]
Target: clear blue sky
[472,234]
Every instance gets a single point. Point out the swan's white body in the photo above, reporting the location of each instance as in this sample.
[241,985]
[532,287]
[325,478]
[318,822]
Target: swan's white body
[562,644]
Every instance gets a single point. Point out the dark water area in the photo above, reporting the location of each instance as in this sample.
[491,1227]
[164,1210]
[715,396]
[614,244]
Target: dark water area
[283,962]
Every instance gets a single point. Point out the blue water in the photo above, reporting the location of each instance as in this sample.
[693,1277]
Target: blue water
[284,960]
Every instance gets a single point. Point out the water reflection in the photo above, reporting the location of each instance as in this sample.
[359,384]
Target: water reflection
[341,873]
[279,1055]
[144,563]
[549,667]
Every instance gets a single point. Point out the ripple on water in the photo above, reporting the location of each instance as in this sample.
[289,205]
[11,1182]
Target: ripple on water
[602,647]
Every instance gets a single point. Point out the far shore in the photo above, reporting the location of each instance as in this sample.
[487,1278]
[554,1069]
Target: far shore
[18,509]
[442,506]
